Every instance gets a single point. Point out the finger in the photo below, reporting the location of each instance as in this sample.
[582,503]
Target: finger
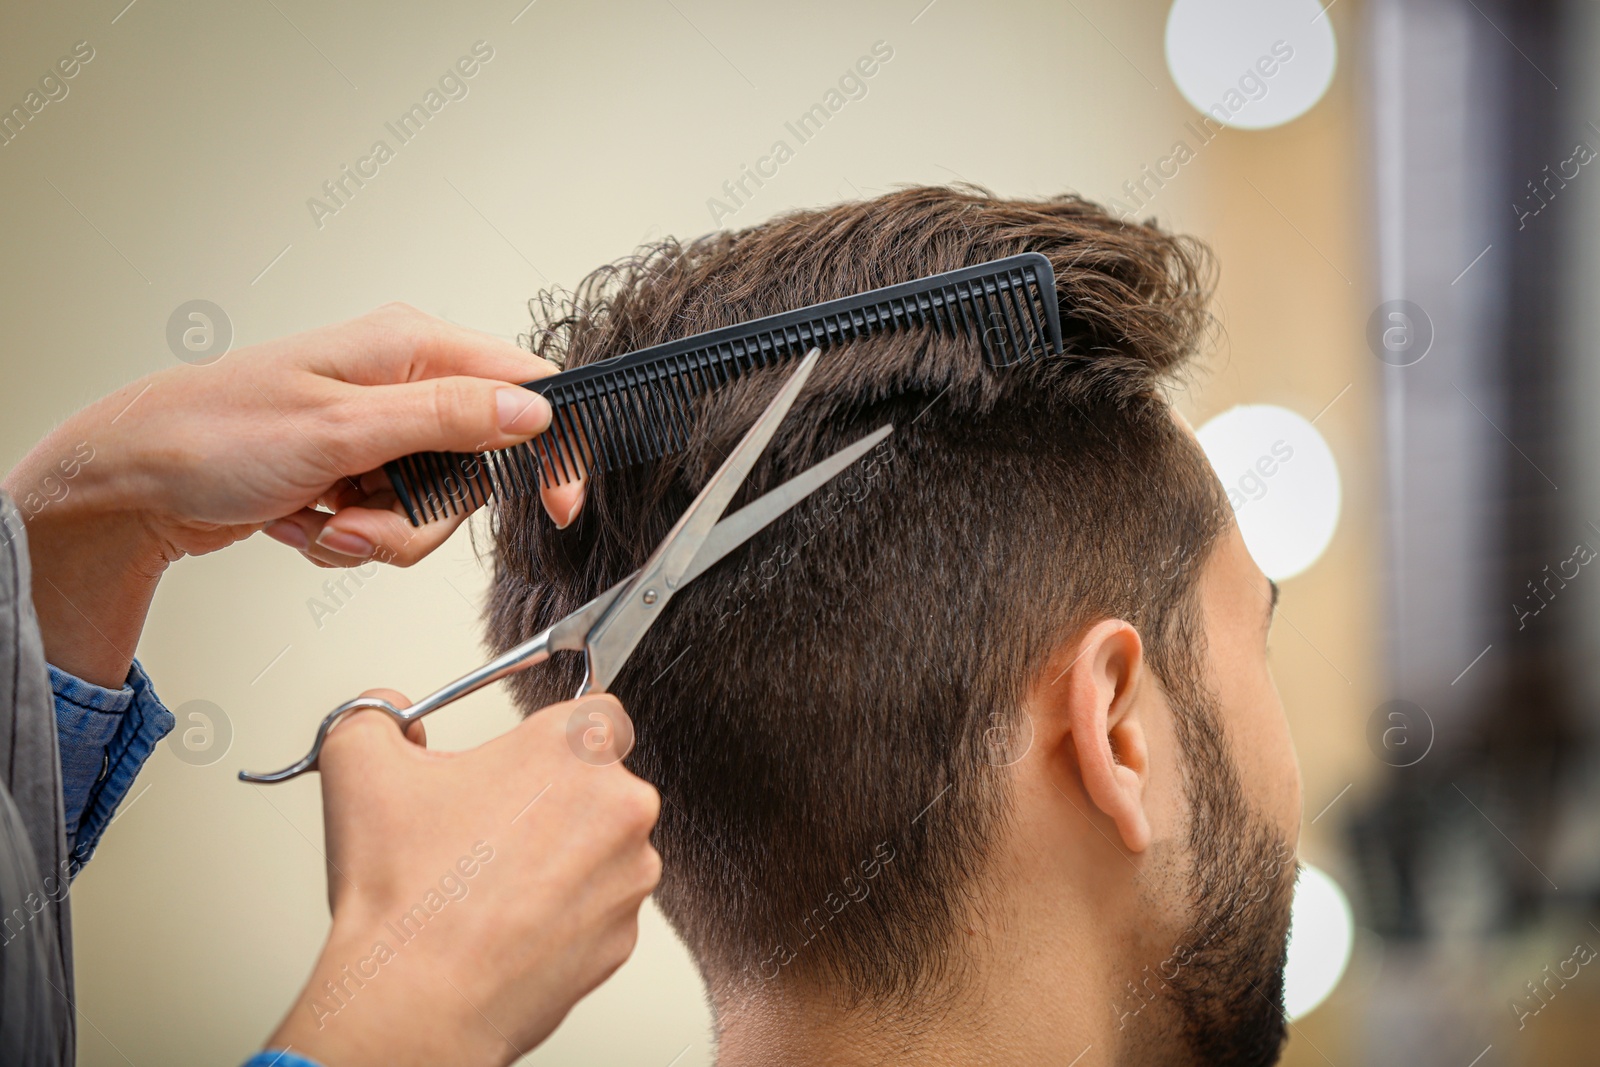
[417,734]
[398,343]
[383,534]
[294,530]
[399,542]
[307,532]
[379,423]
[363,735]
[347,491]
[563,502]
[453,349]
[358,533]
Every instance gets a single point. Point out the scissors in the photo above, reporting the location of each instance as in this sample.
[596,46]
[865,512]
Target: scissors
[608,628]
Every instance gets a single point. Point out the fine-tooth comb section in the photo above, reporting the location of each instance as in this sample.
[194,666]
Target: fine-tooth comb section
[636,407]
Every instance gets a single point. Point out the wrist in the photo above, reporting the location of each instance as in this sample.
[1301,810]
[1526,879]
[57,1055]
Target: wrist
[371,1001]
[95,564]
[88,465]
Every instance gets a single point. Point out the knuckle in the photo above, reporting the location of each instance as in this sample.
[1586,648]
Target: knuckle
[623,942]
[333,413]
[335,427]
[641,806]
[400,328]
[650,872]
[457,408]
[398,311]
[394,324]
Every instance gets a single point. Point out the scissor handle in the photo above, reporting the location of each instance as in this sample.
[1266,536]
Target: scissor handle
[533,651]
[309,761]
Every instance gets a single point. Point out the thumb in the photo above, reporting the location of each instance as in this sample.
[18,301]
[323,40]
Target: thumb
[359,742]
[455,414]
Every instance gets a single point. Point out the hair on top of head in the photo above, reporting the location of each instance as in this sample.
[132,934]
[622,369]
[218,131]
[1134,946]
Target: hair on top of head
[818,710]
[1132,296]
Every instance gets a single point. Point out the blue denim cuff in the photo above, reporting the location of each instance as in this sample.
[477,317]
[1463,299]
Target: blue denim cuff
[270,1057]
[105,737]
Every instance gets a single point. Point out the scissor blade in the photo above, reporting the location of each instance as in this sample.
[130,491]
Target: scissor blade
[636,608]
[684,541]
[727,535]
[757,515]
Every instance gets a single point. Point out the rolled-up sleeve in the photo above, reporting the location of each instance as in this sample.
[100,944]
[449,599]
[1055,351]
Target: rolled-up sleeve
[105,737]
[279,1058]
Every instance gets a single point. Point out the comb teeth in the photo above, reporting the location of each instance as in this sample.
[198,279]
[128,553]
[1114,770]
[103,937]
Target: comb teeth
[637,407]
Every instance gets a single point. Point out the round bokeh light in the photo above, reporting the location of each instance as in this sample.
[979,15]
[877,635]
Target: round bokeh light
[1282,483]
[1250,63]
[1321,934]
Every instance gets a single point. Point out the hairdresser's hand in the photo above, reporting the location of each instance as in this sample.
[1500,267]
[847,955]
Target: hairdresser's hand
[193,458]
[476,895]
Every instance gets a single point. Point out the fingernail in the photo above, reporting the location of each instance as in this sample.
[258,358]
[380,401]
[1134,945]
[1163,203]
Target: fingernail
[346,544]
[287,533]
[577,506]
[522,411]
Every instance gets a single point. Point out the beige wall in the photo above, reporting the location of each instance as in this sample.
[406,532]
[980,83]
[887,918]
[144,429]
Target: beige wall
[179,167]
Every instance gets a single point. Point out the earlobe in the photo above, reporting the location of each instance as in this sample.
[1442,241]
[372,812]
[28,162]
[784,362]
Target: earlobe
[1099,698]
[1130,772]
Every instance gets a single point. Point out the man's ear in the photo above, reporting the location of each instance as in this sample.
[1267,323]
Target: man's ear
[1093,715]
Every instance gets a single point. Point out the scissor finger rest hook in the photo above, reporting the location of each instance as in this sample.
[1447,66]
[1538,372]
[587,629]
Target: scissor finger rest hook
[309,762]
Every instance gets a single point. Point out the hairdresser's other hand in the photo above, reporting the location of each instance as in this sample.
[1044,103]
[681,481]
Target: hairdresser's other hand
[476,895]
[206,455]
[193,458]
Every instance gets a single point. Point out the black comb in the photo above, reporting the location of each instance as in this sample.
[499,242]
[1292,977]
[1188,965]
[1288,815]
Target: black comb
[635,407]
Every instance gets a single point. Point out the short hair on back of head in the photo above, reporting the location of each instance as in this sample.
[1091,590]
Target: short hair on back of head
[818,710]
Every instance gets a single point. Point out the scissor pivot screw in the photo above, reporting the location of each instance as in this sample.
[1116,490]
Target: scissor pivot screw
[649,597]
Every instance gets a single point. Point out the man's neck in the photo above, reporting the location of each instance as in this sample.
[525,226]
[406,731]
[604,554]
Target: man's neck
[1052,964]
[1043,1002]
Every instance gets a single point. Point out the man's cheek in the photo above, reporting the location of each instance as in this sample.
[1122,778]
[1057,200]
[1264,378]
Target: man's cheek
[1277,770]
[1258,733]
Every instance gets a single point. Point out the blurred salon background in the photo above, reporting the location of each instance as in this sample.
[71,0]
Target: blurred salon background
[1401,397]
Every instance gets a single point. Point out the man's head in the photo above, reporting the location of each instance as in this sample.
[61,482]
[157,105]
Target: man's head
[1008,673]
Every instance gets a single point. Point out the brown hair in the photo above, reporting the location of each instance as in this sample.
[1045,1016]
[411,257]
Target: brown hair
[818,709]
